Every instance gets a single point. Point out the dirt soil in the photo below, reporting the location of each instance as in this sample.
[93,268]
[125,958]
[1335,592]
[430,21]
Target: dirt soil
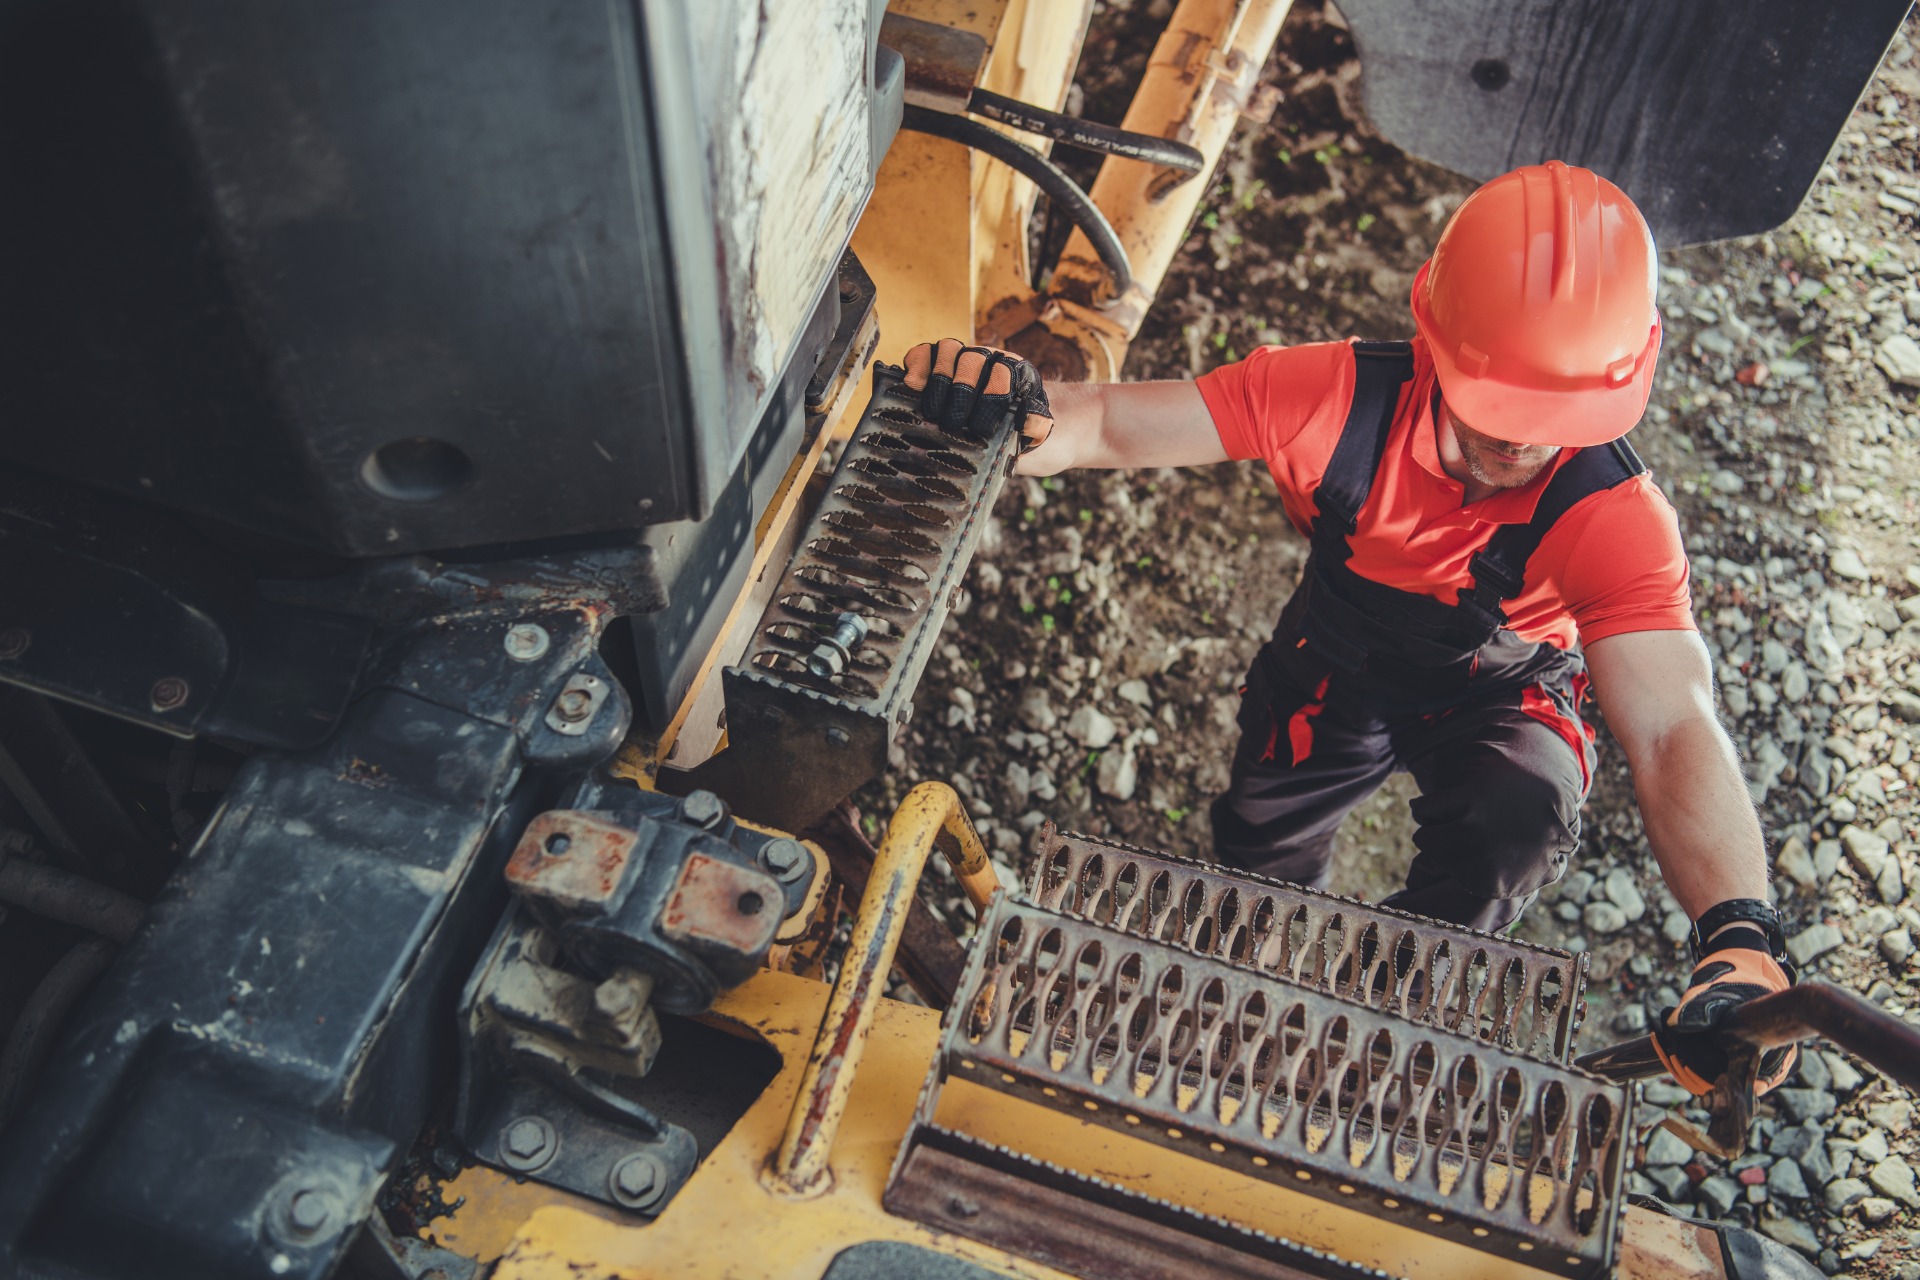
[1090,676]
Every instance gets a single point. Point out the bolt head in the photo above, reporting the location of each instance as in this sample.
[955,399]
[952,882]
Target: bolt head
[310,1210]
[837,736]
[703,808]
[169,693]
[574,705]
[637,1181]
[527,1138]
[14,641]
[785,858]
[527,641]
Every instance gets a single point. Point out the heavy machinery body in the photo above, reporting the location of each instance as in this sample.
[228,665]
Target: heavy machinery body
[424,634]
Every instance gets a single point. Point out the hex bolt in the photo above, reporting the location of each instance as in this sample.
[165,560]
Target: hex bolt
[527,1143]
[831,656]
[573,705]
[169,692]
[14,641]
[786,858]
[527,641]
[837,736]
[637,1181]
[309,1211]
[703,809]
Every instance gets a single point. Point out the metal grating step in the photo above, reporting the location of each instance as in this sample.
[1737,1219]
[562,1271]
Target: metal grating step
[1430,1129]
[1498,991]
[875,574]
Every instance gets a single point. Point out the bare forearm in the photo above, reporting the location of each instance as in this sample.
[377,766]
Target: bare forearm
[1699,818]
[1125,424]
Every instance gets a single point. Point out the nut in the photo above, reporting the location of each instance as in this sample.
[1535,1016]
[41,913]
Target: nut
[310,1210]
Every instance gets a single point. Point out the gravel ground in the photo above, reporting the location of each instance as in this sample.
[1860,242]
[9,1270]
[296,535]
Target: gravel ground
[1090,675]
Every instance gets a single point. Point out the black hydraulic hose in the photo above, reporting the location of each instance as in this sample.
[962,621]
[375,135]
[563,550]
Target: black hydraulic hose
[70,899]
[1056,185]
[1086,135]
[33,1035]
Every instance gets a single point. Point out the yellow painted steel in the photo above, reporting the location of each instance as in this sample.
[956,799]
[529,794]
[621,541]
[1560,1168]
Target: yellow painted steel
[727,1224]
[928,811]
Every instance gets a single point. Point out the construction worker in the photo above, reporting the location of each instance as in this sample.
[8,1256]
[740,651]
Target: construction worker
[1484,543]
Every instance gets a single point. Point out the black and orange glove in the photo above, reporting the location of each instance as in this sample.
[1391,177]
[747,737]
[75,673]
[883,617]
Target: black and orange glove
[1739,951]
[971,389]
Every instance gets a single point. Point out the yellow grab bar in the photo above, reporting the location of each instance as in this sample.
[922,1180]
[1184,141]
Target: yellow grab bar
[800,1167]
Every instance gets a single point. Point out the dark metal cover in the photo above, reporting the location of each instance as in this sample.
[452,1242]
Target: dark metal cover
[1714,115]
[372,278]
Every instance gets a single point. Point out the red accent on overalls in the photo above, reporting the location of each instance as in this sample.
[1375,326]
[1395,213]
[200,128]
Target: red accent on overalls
[1299,726]
[1535,702]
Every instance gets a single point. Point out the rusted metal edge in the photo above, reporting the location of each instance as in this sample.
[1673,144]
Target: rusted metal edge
[1405,945]
[1084,1225]
[1422,1126]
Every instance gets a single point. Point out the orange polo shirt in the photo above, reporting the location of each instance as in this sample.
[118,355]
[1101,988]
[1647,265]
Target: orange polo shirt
[1613,563]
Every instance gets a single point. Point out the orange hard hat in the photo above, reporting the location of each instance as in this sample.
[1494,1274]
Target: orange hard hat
[1538,307]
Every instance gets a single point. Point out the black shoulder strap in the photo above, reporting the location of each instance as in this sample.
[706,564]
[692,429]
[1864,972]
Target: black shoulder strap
[1380,369]
[1500,568]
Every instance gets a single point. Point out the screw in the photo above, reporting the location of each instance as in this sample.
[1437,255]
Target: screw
[636,1181]
[962,1208]
[837,736]
[528,1143]
[527,641]
[830,657]
[309,1211]
[168,693]
[703,809]
[14,641]
[574,705]
[786,858]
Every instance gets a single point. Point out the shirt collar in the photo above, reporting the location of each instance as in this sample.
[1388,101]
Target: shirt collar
[1508,506]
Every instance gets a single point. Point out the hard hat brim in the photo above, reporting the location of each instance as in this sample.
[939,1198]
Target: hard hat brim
[1569,411]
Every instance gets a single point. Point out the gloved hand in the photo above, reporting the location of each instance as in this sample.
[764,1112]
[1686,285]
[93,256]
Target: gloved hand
[968,389]
[1738,964]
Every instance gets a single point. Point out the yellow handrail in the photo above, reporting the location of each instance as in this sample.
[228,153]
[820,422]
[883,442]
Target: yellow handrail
[800,1167]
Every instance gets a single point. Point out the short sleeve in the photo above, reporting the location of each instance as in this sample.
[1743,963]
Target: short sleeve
[1261,404]
[1621,563]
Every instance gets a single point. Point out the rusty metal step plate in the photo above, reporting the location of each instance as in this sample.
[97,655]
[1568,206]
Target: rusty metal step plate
[1415,1124]
[1496,990]
[830,673]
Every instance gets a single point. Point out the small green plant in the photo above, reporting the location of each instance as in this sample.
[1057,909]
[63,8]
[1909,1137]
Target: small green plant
[1210,220]
[1284,156]
[1364,221]
[1026,606]
[1065,596]
[1177,816]
[1027,515]
[1049,484]
[1046,622]
[1144,562]
[1086,516]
